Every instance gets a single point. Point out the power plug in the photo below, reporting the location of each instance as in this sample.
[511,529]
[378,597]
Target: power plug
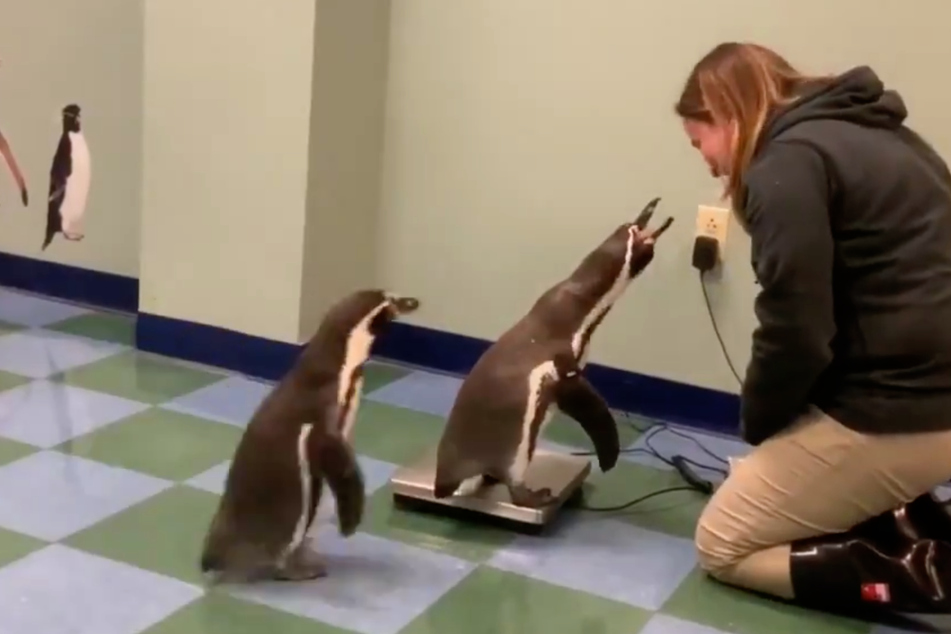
[706,253]
[710,240]
[690,476]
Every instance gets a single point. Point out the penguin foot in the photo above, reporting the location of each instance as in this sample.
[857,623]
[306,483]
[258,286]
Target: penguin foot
[531,498]
[301,571]
[303,565]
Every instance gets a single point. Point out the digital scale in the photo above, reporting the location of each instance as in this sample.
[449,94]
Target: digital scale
[564,474]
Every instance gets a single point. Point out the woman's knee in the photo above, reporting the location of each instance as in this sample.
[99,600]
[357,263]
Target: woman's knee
[719,550]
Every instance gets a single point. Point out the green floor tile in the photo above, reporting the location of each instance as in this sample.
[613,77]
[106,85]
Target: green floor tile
[163,534]
[159,442]
[465,540]
[727,609]
[11,450]
[218,613]
[8,380]
[376,375]
[394,434]
[140,377]
[8,328]
[672,513]
[13,546]
[112,327]
[495,602]
[566,431]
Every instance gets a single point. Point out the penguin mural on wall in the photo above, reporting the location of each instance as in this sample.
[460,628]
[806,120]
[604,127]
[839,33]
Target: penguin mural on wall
[298,440]
[14,168]
[70,175]
[506,399]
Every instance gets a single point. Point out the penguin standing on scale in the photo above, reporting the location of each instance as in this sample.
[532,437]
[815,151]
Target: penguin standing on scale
[299,437]
[70,175]
[505,401]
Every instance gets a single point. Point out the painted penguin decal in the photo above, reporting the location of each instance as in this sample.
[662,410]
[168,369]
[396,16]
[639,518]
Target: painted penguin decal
[70,175]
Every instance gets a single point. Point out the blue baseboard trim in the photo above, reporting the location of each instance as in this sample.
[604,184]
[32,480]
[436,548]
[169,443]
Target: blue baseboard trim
[656,398]
[95,288]
[214,346]
[653,397]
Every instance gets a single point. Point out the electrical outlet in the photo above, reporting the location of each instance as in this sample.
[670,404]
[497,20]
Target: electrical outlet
[713,222]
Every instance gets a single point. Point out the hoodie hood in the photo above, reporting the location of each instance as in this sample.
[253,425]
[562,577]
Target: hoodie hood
[856,96]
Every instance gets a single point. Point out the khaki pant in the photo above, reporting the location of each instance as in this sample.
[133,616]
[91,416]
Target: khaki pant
[818,477]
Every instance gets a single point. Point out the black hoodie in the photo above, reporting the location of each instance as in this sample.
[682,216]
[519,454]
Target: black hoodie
[849,213]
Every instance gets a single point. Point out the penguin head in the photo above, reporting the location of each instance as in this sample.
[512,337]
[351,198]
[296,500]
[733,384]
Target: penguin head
[634,242]
[71,118]
[370,309]
[396,306]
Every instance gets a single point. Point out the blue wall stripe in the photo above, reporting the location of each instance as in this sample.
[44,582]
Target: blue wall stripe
[95,288]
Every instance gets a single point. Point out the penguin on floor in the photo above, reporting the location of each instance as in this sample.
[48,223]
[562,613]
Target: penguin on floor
[14,168]
[299,437]
[504,402]
[70,175]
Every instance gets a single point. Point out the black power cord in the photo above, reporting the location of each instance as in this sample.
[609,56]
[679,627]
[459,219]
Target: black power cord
[643,498]
[682,464]
[716,328]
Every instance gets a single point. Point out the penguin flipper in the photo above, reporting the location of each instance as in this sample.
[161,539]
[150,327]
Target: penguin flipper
[53,223]
[577,398]
[338,464]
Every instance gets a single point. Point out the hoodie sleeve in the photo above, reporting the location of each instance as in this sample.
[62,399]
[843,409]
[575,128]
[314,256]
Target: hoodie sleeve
[786,210]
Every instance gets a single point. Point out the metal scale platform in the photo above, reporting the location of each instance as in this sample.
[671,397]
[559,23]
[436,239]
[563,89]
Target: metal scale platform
[564,474]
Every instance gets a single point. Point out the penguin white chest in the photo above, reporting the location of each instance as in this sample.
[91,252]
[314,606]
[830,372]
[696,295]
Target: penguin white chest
[537,379]
[349,384]
[77,186]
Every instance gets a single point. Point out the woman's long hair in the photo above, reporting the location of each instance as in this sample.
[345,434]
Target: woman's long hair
[741,84]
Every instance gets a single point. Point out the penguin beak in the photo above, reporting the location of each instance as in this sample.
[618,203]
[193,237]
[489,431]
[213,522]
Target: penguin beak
[644,217]
[404,305]
[656,233]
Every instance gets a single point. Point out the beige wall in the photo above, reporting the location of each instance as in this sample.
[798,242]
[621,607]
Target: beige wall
[227,110]
[519,132]
[348,92]
[90,53]
[263,143]
[515,135]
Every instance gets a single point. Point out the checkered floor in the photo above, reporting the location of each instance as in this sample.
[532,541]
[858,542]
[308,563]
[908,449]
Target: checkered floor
[111,461]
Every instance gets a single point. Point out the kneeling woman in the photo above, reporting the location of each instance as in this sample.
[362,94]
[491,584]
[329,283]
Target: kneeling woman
[847,397]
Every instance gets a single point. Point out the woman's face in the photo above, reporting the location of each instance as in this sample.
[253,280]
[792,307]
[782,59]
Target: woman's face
[713,143]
